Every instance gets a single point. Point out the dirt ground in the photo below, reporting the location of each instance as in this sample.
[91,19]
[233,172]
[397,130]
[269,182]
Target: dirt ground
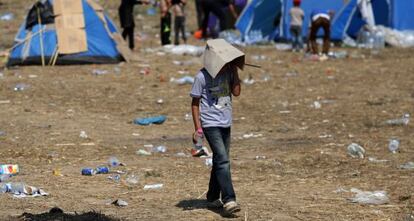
[306,161]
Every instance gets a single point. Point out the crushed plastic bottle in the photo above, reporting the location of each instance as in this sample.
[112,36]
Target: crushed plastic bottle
[407,166]
[404,120]
[99,72]
[316,105]
[394,145]
[16,188]
[83,134]
[159,149]
[183,80]
[115,178]
[120,203]
[153,186]
[4,177]
[338,54]
[355,150]
[187,117]
[7,17]
[368,197]
[3,188]
[143,152]
[113,162]
[259,57]
[375,160]
[197,150]
[21,87]
[132,179]
[209,162]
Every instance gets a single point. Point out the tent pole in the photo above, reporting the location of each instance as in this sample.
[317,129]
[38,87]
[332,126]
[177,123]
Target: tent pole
[53,56]
[39,21]
[56,56]
[24,40]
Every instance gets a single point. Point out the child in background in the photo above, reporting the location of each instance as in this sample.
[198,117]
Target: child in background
[296,21]
[165,24]
[179,20]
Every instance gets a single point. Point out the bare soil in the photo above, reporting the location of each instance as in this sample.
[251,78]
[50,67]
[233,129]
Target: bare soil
[305,163]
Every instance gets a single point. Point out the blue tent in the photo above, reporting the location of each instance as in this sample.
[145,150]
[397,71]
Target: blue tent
[348,21]
[100,38]
[261,14]
[401,14]
[395,14]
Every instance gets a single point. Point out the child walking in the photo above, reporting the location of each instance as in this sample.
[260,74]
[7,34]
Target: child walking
[211,106]
[179,20]
[296,21]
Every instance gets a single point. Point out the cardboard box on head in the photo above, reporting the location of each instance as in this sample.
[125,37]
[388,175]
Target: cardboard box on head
[218,53]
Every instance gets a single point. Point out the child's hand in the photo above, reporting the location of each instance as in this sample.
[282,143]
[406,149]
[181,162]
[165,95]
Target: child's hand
[195,137]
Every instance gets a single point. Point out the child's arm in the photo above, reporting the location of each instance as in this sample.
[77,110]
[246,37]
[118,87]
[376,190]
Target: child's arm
[236,87]
[195,110]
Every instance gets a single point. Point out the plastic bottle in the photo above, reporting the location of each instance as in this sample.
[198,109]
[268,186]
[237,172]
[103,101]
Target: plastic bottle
[3,188]
[159,149]
[16,187]
[113,162]
[132,179]
[199,139]
[21,87]
[4,177]
[355,150]
[394,145]
[404,120]
[153,186]
[198,150]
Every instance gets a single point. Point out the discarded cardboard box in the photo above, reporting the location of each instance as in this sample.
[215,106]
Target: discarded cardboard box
[218,53]
[122,46]
[70,21]
[72,40]
[67,7]
[95,5]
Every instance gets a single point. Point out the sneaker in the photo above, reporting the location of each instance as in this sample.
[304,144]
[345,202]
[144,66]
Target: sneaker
[215,204]
[231,207]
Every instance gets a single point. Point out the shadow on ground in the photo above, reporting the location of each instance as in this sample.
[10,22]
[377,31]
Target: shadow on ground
[56,214]
[193,204]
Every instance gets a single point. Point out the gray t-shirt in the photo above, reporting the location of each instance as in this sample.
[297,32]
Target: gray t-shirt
[296,16]
[215,94]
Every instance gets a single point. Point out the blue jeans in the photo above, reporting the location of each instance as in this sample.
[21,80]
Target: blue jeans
[220,179]
[297,41]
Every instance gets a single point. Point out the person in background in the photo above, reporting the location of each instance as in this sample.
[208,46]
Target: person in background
[179,20]
[126,16]
[216,7]
[320,19]
[200,15]
[296,21]
[165,24]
